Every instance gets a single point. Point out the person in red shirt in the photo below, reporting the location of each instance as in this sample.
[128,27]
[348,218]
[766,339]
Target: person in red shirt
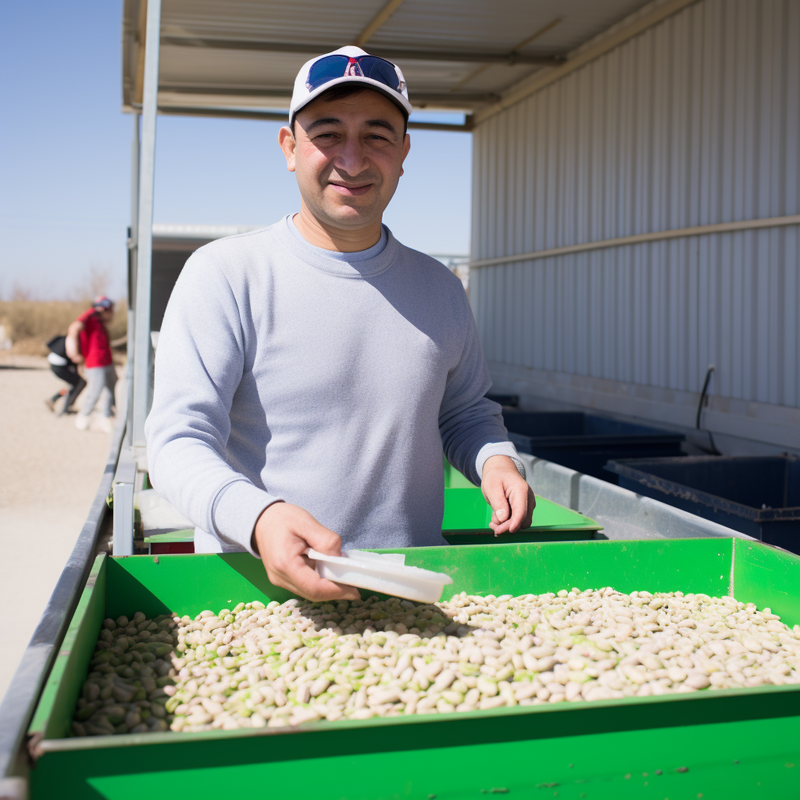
[87,343]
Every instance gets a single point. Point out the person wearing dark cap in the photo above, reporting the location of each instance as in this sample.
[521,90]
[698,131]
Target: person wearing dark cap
[87,343]
[309,375]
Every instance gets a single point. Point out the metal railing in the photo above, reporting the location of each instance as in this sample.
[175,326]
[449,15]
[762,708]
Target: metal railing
[19,703]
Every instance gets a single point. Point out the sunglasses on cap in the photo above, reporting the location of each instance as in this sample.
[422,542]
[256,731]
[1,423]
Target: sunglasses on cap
[329,68]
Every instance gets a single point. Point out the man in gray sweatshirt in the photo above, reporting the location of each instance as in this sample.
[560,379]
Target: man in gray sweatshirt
[309,374]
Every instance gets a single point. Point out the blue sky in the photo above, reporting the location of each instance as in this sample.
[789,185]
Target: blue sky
[65,160]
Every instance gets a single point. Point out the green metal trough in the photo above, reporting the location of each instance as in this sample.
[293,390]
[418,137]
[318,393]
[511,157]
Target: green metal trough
[710,744]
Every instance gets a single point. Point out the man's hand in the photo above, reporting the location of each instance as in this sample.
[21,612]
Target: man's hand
[508,494]
[281,536]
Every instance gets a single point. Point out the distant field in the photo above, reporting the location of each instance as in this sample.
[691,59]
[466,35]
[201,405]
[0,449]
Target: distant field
[31,323]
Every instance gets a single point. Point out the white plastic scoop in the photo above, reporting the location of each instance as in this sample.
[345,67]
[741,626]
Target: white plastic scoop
[385,573]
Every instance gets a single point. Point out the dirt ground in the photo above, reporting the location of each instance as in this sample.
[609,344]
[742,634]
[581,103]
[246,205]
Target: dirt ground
[49,475]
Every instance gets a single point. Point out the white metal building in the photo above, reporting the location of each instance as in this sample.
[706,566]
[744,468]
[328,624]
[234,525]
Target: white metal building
[635,220]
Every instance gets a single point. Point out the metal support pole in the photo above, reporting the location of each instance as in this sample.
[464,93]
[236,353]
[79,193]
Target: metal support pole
[143,355]
[133,250]
[123,505]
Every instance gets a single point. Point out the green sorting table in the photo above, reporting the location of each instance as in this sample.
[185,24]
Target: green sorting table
[467,516]
[466,521]
[453,479]
[712,744]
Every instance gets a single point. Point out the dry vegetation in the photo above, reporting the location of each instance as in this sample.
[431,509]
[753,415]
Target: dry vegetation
[31,323]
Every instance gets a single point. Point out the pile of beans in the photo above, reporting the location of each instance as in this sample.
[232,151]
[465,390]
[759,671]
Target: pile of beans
[288,663]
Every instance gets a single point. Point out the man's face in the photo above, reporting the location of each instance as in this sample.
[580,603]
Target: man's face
[348,157]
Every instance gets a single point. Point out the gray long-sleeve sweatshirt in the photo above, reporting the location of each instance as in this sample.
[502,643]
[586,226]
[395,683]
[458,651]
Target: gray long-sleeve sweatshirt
[327,380]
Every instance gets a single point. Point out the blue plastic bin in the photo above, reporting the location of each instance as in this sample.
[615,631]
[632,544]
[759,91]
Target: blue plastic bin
[585,442]
[511,400]
[757,495]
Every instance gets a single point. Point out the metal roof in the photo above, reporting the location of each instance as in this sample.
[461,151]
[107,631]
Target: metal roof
[241,56]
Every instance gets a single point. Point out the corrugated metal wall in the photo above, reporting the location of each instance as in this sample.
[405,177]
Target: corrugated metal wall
[694,122]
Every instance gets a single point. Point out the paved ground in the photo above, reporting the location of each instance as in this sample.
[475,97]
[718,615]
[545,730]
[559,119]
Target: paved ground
[49,474]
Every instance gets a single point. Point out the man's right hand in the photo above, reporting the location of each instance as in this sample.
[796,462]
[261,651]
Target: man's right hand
[281,536]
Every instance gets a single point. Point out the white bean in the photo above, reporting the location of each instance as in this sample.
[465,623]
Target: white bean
[240,668]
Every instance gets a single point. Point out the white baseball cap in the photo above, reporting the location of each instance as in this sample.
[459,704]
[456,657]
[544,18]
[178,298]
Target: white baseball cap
[348,65]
